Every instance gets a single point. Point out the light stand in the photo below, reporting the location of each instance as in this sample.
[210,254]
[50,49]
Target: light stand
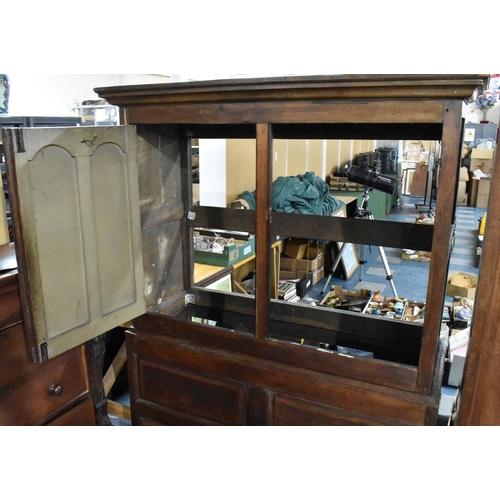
[361,213]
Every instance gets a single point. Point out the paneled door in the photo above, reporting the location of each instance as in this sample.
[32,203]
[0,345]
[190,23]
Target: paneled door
[75,205]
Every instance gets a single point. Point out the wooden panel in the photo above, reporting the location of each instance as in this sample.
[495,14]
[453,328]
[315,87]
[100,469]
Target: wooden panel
[11,311]
[442,239]
[163,262]
[114,249]
[171,372]
[83,414]
[369,232]
[52,175]
[162,210]
[382,373]
[229,219]
[290,112]
[293,411]
[263,217]
[14,362]
[319,87]
[216,400]
[259,406]
[71,290]
[480,403]
[28,401]
[149,414]
[146,421]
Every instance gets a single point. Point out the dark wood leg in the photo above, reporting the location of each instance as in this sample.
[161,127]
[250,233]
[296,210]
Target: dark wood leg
[95,353]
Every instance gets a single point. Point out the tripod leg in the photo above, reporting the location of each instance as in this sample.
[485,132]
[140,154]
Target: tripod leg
[335,264]
[387,270]
[362,261]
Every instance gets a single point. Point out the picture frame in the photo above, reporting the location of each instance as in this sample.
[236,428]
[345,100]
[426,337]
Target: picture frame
[222,280]
[4,94]
[349,259]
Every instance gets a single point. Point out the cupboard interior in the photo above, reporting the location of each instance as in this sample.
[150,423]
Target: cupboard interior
[300,326]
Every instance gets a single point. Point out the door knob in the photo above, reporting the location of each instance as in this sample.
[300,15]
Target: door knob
[55,390]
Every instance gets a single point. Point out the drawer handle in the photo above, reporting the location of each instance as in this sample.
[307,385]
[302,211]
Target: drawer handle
[55,390]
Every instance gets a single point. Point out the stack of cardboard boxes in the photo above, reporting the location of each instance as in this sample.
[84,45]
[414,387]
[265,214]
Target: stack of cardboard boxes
[481,165]
[301,258]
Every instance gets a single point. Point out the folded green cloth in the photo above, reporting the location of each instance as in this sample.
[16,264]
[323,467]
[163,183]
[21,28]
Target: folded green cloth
[304,193]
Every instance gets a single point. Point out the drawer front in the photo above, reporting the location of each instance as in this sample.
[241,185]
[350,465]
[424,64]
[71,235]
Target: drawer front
[11,310]
[81,414]
[14,362]
[40,395]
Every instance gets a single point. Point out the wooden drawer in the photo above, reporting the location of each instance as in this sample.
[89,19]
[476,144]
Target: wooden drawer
[10,300]
[82,414]
[29,400]
[14,362]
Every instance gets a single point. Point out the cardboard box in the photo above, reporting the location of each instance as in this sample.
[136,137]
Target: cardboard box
[231,254]
[480,188]
[482,159]
[413,311]
[300,268]
[314,250]
[458,343]
[474,184]
[350,300]
[288,264]
[462,194]
[462,187]
[296,248]
[288,275]
[482,201]
[461,285]
[483,192]
[316,275]
[310,264]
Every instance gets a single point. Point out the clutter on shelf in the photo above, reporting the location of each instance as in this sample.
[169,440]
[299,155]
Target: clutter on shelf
[222,249]
[348,300]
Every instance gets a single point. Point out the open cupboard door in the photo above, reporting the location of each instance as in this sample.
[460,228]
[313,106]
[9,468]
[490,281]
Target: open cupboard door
[75,203]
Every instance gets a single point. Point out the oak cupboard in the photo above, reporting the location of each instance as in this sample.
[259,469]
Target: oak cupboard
[198,356]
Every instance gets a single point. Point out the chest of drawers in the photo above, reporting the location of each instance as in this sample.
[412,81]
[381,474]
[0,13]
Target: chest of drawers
[57,392]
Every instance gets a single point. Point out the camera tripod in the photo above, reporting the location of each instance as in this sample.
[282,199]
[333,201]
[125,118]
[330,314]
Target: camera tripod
[362,212]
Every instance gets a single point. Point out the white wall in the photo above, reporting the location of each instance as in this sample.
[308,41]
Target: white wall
[56,95]
[213,172]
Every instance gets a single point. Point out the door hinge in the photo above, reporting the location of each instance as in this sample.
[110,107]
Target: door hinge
[188,299]
[20,140]
[44,352]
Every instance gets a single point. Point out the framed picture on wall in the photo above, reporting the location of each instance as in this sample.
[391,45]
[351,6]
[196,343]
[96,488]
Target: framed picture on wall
[349,259]
[4,94]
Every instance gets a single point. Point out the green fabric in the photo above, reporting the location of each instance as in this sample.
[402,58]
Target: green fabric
[305,194]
